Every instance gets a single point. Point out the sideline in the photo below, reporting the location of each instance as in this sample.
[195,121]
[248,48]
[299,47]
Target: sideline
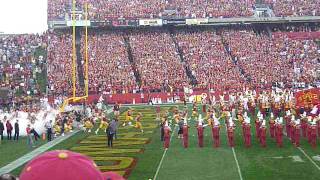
[45,147]
[27,157]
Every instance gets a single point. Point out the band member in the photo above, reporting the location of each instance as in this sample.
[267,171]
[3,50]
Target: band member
[292,129]
[162,124]
[318,124]
[158,111]
[297,133]
[200,132]
[304,124]
[167,131]
[185,134]
[272,126]
[210,118]
[231,133]
[258,123]
[279,135]
[247,132]
[194,110]
[251,106]
[313,134]
[263,134]
[204,103]
[216,133]
[288,120]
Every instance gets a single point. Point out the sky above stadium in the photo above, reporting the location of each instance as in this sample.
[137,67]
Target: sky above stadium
[23,16]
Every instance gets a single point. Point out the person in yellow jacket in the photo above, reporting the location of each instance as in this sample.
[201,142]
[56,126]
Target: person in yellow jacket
[129,117]
[103,125]
[138,122]
[88,125]
[68,127]
[57,129]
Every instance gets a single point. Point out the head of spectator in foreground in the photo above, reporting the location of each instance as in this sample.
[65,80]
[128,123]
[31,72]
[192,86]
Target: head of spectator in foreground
[62,165]
[8,177]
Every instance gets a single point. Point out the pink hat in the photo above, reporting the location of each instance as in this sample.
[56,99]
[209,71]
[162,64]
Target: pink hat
[61,165]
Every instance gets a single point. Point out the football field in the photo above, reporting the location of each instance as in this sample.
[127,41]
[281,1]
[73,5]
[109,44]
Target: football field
[288,162]
[141,156]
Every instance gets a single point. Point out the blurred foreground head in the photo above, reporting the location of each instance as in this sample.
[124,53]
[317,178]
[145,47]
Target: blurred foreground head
[63,165]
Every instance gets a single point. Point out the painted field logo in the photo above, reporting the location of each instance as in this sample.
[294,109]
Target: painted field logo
[129,142]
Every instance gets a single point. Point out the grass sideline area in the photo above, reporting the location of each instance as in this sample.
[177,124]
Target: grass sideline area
[137,156]
[10,150]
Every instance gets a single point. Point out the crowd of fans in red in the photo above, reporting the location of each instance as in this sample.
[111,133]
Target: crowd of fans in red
[267,60]
[19,66]
[109,66]
[157,60]
[205,53]
[114,9]
[295,7]
[219,60]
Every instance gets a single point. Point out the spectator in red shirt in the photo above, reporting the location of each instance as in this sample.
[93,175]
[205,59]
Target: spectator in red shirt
[29,136]
[9,129]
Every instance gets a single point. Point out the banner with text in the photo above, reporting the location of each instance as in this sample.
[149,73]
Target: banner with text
[150,22]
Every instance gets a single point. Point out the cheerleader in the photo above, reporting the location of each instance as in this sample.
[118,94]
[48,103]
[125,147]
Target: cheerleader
[103,125]
[88,125]
[138,122]
[129,117]
[57,129]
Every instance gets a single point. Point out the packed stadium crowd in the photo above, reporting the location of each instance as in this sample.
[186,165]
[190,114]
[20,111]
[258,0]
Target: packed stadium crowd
[205,53]
[103,10]
[20,68]
[59,62]
[221,60]
[157,60]
[294,7]
[110,69]
[266,60]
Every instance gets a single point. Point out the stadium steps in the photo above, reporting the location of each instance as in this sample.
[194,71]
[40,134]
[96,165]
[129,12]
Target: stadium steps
[79,58]
[192,78]
[131,60]
[234,59]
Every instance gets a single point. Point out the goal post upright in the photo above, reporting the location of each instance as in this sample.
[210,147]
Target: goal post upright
[75,98]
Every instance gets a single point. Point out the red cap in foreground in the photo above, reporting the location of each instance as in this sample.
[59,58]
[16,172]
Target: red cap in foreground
[61,165]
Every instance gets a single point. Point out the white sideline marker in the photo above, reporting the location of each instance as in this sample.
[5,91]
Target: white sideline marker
[163,155]
[305,154]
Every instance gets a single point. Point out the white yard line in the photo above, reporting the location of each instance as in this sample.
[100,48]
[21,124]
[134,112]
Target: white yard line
[235,157]
[305,154]
[163,155]
[308,157]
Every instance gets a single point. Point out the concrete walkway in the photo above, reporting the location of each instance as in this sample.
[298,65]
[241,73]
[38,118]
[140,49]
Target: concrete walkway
[22,160]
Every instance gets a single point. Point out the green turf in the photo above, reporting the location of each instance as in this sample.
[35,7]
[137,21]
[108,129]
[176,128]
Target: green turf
[67,144]
[255,163]
[11,150]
